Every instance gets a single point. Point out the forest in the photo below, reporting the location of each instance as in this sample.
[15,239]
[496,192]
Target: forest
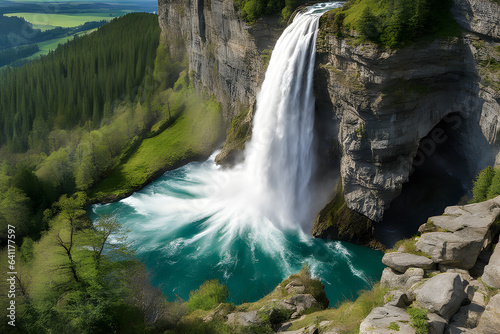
[393,23]
[16,31]
[69,277]
[71,87]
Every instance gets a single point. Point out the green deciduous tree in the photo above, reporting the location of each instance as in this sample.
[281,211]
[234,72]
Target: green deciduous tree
[209,295]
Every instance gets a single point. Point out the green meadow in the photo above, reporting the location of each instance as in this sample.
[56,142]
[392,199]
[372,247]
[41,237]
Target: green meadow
[46,21]
[52,44]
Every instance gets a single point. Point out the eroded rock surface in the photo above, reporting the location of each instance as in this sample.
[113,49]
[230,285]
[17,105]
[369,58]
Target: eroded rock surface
[491,275]
[489,323]
[379,321]
[468,232]
[479,16]
[401,262]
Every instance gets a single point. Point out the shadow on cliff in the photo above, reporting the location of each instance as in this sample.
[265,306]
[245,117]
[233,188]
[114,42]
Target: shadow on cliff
[443,170]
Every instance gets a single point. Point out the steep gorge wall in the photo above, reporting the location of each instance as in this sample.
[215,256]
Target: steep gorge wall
[387,101]
[224,52]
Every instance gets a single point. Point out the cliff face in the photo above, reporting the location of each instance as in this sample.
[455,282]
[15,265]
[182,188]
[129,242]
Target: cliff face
[479,16]
[224,52]
[387,102]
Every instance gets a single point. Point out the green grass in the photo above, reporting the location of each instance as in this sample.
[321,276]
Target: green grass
[52,44]
[408,247]
[419,319]
[46,21]
[394,326]
[349,314]
[192,135]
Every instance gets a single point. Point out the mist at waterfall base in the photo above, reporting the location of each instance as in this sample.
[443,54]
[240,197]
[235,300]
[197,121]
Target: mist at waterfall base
[249,227]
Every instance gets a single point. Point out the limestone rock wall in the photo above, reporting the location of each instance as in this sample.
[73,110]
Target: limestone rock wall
[479,16]
[224,52]
[387,101]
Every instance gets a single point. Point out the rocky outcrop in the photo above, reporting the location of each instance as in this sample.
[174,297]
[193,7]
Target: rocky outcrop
[224,52]
[466,231]
[456,301]
[491,275]
[387,101]
[299,294]
[478,16]
[401,262]
[337,222]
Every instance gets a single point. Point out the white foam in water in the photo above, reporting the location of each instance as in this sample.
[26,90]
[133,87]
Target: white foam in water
[258,201]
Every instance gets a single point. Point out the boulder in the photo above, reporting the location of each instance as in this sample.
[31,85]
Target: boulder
[436,323]
[402,261]
[442,294]
[491,274]
[393,280]
[399,299]
[462,233]
[297,304]
[301,302]
[244,319]
[379,321]
[489,323]
[458,249]
[468,316]
[295,287]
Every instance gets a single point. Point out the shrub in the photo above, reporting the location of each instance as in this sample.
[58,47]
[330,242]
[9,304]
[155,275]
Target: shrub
[251,10]
[209,295]
[418,318]
[480,191]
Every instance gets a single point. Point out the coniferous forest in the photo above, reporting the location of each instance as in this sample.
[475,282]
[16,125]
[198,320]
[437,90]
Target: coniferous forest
[76,84]
[69,119]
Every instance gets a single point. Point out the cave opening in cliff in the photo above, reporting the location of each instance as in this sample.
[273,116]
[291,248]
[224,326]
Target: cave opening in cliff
[440,178]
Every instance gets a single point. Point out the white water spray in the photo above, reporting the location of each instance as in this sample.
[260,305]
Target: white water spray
[280,157]
[243,225]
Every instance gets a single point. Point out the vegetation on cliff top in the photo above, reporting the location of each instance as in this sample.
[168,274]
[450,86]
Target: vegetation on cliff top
[392,23]
[251,10]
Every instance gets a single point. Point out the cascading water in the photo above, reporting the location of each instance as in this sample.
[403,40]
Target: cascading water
[242,226]
[279,158]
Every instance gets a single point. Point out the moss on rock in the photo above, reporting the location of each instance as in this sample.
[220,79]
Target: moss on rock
[238,134]
[337,222]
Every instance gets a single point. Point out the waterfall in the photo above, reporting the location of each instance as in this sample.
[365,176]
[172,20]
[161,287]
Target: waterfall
[280,157]
[243,226]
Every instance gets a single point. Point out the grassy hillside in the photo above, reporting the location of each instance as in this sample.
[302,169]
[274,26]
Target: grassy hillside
[194,127]
[110,109]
